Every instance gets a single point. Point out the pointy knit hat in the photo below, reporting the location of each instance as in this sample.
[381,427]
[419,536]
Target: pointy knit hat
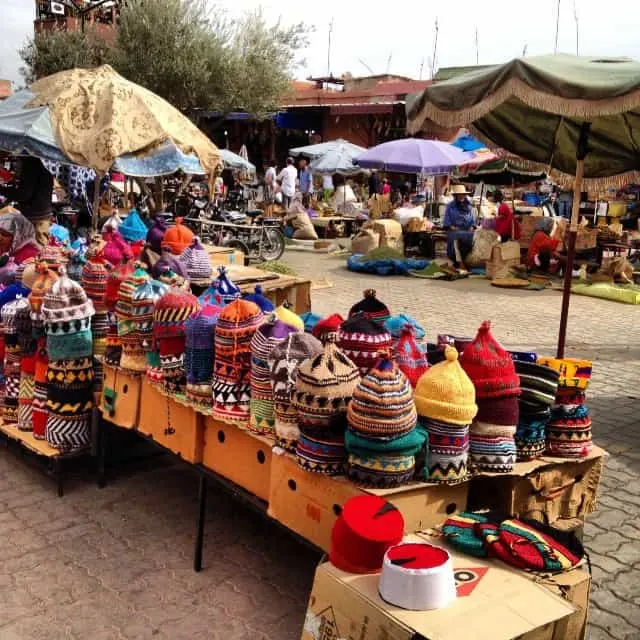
[94,279]
[362,339]
[260,299]
[156,233]
[133,229]
[324,327]
[171,311]
[66,300]
[116,250]
[197,263]
[44,280]
[490,366]
[382,404]
[310,320]
[222,287]
[177,238]
[371,307]
[445,393]
[410,359]
[395,325]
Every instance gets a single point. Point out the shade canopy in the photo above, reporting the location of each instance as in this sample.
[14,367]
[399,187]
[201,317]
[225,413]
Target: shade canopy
[414,155]
[535,108]
[96,116]
[504,171]
[313,151]
[233,160]
[339,159]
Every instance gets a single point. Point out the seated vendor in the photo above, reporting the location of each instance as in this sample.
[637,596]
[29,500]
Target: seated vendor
[543,249]
[17,237]
[459,223]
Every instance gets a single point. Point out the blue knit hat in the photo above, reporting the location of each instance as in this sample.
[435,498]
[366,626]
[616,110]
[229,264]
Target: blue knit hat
[310,320]
[395,324]
[260,299]
[133,229]
[223,287]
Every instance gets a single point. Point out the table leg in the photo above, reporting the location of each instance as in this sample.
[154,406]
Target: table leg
[202,508]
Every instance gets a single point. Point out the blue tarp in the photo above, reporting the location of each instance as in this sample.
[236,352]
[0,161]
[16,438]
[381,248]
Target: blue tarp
[468,143]
[385,267]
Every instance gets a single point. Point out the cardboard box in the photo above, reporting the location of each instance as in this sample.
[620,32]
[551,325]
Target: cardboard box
[546,489]
[497,603]
[240,456]
[173,425]
[309,503]
[120,402]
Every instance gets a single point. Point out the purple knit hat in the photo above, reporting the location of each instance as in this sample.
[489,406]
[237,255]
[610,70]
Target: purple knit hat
[156,233]
[168,261]
[197,263]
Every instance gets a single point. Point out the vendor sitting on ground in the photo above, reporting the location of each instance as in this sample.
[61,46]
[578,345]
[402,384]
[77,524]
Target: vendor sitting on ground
[543,249]
[459,223]
[17,237]
[507,226]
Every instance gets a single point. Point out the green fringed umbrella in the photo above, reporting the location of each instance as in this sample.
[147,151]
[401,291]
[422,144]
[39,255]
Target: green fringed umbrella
[575,115]
[504,171]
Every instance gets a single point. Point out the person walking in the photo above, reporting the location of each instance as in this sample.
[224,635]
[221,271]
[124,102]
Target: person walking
[288,177]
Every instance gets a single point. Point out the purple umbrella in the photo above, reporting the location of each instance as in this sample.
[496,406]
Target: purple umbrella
[414,155]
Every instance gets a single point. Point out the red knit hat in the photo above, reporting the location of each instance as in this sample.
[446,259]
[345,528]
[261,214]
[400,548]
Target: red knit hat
[410,360]
[489,366]
[367,527]
[327,325]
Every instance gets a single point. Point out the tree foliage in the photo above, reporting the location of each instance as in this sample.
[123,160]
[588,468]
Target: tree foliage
[184,51]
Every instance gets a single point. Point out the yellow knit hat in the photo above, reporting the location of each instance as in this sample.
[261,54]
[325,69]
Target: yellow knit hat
[284,314]
[445,393]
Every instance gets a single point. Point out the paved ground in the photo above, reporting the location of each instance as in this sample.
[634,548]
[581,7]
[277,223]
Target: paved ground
[115,564]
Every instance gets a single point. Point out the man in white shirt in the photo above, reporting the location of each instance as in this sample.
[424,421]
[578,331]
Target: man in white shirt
[288,176]
[270,181]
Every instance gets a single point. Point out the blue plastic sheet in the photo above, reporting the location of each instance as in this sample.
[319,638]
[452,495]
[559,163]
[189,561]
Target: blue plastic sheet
[385,267]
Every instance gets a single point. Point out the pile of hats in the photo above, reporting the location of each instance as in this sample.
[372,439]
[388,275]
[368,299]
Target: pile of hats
[362,339]
[67,313]
[284,361]
[446,403]
[491,369]
[382,439]
[539,386]
[324,387]
[231,385]
[371,308]
[199,330]
[170,312]
[113,345]
[569,430]
[268,336]
[197,264]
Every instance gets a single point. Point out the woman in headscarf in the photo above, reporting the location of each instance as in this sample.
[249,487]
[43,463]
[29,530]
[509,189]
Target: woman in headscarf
[543,248]
[17,237]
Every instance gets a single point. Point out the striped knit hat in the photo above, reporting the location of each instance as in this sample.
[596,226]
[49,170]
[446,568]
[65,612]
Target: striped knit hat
[574,373]
[539,385]
[492,447]
[490,366]
[371,308]
[382,404]
[284,360]
[236,325]
[94,281]
[197,263]
[361,340]
[326,326]
[66,301]
[411,360]
[260,299]
[199,331]
[265,339]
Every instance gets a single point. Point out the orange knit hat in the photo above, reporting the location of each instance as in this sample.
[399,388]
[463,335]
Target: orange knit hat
[177,238]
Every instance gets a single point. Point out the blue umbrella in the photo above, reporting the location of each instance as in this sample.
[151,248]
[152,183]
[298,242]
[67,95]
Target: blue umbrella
[468,143]
[414,155]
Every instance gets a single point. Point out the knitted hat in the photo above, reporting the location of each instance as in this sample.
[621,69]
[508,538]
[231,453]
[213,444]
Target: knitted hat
[168,261]
[116,276]
[366,528]
[395,325]
[172,279]
[116,250]
[199,331]
[573,373]
[260,299]
[39,404]
[265,339]
[66,301]
[284,314]
[25,394]
[530,438]
[411,360]
[445,394]
[504,411]
[324,327]
[236,325]
[133,229]
[324,387]
[539,384]
[448,452]
[310,320]
[94,280]
[524,356]
[156,233]
[177,238]
[43,282]
[222,289]
[371,308]
[569,437]
[10,310]
[26,272]
[490,366]
[197,263]
[319,452]
[492,447]
[382,404]
[54,255]
[362,339]
[284,360]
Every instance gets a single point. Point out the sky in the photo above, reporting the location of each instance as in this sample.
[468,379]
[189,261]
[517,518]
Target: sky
[401,41]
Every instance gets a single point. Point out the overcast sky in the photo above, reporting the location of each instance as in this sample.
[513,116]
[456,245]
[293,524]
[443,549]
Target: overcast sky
[399,38]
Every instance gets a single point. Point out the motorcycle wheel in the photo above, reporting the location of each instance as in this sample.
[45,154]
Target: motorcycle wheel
[272,245]
[239,245]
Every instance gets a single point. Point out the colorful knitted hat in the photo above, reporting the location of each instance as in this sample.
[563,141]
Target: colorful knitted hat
[326,326]
[231,386]
[116,250]
[25,394]
[66,301]
[172,279]
[168,261]
[310,320]
[199,331]
[197,263]
[321,453]
[39,404]
[54,255]
[116,276]
[410,359]
[268,336]
[133,228]
[382,404]
[43,282]
[448,452]
[324,387]
[284,314]
[260,299]
[539,384]
[222,289]
[445,394]
[284,360]
[490,366]
[362,339]
[9,312]
[574,373]
[177,238]
[395,325]
[371,308]
[530,438]
[569,437]
[126,292]
[156,233]
[492,447]
[94,280]
[366,528]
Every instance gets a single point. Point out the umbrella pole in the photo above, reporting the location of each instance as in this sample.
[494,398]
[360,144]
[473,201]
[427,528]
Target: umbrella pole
[513,195]
[96,201]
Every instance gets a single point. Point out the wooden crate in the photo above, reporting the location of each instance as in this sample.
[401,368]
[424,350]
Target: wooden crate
[121,394]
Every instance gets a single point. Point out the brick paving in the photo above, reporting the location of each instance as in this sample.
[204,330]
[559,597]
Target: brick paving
[115,564]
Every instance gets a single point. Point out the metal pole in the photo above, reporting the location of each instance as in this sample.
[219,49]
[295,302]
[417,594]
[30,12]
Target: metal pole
[95,214]
[202,511]
[555,48]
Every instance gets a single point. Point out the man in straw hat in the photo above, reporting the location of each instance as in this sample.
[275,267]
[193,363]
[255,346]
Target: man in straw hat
[460,223]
